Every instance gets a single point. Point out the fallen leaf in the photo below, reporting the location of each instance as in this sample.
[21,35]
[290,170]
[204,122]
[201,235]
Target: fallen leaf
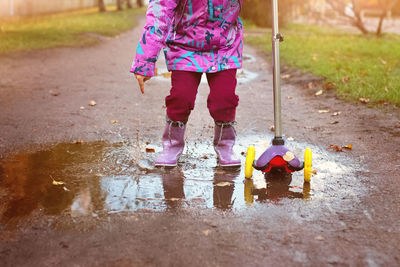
[320,92]
[319,238]
[57,182]
[290,139]
[336,148]
[272,128]
[345,79]
[328,86]
[310,85]
[290,97]
[206,232]
[336,52]
[286,76]
[331,59]
[321,111]
[334,122]
[337,113]
[314,172]
[222,184]
[383,61]
[54,93]
[296,187]
[204,157]
[314,58]
[92,103]
[349,147]
[363,73]
[150,150]
[66,189]
[114,121]
[82,108]
[166,75]
[364,100]
[78,142]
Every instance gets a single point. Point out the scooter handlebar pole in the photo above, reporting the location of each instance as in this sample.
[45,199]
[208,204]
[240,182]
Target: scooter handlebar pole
[276,38]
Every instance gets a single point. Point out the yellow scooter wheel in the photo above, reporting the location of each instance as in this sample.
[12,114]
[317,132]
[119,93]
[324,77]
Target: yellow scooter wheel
[307,165]
[250,156]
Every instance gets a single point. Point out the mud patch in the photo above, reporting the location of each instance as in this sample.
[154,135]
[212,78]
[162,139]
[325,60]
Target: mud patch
[98,178]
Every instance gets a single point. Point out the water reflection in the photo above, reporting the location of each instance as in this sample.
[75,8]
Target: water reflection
[276,187]
[224,186]
[100,178]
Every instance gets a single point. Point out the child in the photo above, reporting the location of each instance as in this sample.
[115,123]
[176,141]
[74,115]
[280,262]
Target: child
[198,36]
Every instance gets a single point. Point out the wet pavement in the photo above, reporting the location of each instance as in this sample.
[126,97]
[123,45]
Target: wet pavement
[101,201]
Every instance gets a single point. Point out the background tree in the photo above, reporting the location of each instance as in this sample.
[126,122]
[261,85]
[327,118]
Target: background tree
[102,6]
[119,5]
[259,11]
[353,11]
[139,3]
[128,4]
[386,7]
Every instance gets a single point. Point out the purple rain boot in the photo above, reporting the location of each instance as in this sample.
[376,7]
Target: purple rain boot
[224,140]
[173,144]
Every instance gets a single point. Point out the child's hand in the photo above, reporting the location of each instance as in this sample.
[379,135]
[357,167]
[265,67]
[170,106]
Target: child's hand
[141,80]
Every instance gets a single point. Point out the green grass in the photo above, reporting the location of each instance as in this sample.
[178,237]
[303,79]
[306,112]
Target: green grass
[359,66]
[63,29]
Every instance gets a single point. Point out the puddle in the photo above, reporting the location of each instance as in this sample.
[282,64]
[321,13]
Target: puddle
[98,178]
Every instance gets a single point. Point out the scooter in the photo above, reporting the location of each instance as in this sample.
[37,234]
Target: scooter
[277,157]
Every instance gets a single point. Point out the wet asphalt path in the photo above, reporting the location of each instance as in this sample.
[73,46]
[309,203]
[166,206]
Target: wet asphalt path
[101,202]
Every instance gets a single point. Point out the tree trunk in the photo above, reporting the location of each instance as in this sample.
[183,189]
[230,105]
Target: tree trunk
[139,3]
[102,6]
[128,4]
[379,29]
[119,5]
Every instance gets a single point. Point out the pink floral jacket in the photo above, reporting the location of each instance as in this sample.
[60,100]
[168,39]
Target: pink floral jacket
[197,35]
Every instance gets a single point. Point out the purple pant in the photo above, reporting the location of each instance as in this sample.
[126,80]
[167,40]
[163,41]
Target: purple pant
[221,102]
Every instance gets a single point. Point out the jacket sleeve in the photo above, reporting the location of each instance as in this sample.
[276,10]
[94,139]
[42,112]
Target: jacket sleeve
[159,19]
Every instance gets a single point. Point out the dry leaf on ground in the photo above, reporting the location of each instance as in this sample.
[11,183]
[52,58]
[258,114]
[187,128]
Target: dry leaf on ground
[336,148]
[320,92]
[328,86]
[56,182]
[150,150]
[222,184]
[364,100]
[349,147]
[206,232]
[166,74]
